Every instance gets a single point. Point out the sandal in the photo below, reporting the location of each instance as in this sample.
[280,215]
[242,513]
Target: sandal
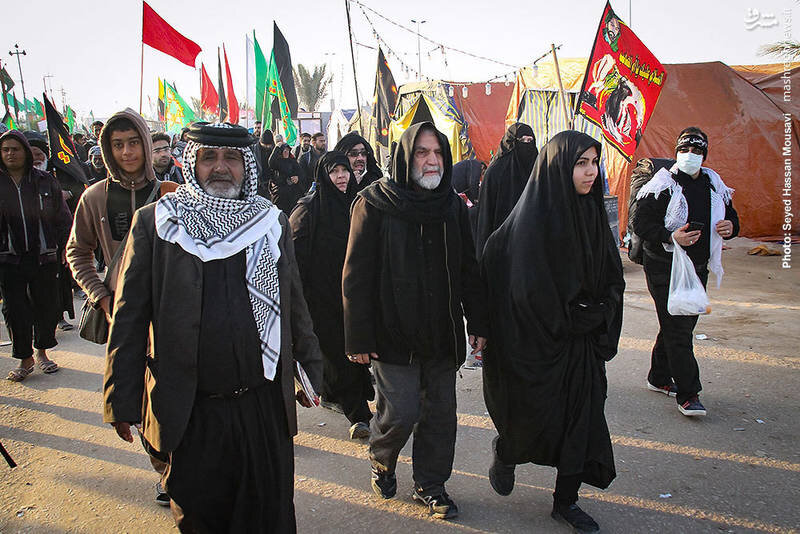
[19,374]
[48,366]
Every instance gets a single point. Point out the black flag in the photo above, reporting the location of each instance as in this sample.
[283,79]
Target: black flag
[62,151]
[223,102]
[384,101]
[283,60]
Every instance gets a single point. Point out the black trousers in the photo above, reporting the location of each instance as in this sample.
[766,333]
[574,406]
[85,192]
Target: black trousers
[673,354]
[418,398]
[567,487]
[31,304]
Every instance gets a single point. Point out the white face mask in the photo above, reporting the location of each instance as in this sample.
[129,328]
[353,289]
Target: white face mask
[689,162]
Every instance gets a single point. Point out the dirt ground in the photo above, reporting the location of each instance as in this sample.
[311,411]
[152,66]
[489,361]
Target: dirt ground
[736,470]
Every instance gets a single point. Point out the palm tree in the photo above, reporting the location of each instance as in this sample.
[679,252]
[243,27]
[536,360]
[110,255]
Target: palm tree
[312,86]
[787,50]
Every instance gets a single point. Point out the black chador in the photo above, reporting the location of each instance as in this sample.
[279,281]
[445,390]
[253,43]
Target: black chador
[320,227]
[555,302]
[504,181]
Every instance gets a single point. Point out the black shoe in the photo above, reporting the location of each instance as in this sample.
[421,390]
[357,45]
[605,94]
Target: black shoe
[161,496]
[692,407]
[575,517]
[670,389]
[359,430]
[440,506]
[384,484]
[501,476]
[332,406]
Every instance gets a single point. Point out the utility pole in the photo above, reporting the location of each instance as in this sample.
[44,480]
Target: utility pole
[17,52]
[45,79]
[419,55]
[63,100]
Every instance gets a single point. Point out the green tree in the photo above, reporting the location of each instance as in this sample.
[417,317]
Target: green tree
[787,50]
[312,86]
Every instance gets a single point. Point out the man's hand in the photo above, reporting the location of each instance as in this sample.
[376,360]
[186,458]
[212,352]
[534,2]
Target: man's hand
[294,179]
[304,401]
[724,228]
[123,431]
[105,305]
[684,238]
[477,343]
[363,358]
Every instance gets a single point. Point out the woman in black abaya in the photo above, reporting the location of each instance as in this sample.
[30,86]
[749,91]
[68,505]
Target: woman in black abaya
[555,300]
[287,184]
[504,180]
[320,228]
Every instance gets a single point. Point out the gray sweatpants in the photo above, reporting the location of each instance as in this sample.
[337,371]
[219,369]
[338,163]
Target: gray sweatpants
[418,398]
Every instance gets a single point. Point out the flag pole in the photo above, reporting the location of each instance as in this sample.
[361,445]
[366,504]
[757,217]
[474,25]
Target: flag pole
[563,96]
[141,77]
[353,60]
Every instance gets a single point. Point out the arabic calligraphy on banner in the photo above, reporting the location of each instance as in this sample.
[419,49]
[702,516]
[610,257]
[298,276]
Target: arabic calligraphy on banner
[622,83]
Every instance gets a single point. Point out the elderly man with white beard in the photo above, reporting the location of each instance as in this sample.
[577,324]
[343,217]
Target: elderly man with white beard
[409,277]
[209,273]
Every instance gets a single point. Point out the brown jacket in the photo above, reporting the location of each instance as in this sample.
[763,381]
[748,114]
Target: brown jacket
[91,227]
[159,292]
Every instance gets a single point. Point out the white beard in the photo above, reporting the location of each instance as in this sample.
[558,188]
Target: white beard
[220,190]
[42,166]
[426,182]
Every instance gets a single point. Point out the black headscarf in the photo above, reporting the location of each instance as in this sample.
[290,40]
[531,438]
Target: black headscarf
[334,204]
[396,195]
[467,178]
[504,181]
[267,138]
[555,302]
[372,171]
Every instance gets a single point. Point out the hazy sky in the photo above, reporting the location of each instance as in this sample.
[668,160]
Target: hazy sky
[92,47]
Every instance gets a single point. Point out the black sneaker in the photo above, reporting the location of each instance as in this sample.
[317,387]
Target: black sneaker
[670,390]
[440,506]
[384,484]
[575,517]
[692,407]
[161,496]
[332,406]
[501,476]
[359,430]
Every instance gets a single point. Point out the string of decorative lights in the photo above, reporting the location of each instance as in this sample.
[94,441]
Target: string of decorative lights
[441,45]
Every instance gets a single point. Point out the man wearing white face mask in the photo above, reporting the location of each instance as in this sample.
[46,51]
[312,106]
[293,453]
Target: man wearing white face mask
[689,205]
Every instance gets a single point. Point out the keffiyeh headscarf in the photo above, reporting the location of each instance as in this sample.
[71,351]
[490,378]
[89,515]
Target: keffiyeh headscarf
[213,228]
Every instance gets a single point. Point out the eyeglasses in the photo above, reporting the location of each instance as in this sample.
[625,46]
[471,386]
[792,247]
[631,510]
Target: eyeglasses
[356,153]
[162,149]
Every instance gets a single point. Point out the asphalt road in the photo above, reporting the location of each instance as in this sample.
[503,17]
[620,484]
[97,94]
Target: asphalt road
[736,470]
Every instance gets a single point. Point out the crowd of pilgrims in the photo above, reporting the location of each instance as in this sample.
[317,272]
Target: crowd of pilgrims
[529,233]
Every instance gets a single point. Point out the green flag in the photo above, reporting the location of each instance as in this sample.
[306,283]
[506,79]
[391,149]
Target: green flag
[8,120]
[274,90]
[39,108]
[261,80]
[30,107]
[177,113]
[6,80]
[69,115]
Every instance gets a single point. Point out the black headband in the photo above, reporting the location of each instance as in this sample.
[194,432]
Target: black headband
[216,134]
[692,139]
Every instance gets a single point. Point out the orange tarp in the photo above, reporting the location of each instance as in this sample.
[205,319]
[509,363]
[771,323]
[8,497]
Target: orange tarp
[746,137]
[485,115]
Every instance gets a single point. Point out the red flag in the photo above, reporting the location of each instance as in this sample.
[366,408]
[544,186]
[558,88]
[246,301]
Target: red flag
[233,105]
[156,32]
[622,83]
[209,100]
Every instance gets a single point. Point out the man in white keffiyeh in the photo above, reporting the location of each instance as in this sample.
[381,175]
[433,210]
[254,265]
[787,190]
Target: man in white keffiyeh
[210,271]
[689,205]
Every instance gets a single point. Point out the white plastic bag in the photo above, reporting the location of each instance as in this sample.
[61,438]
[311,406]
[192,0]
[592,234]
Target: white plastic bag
[687,296]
